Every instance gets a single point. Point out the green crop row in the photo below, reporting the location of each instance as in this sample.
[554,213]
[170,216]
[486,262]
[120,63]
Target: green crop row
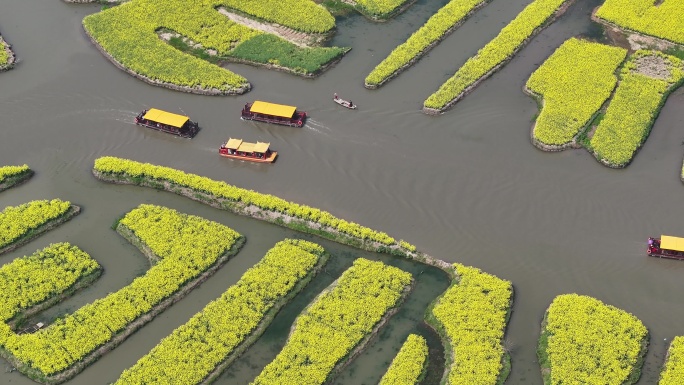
[573,82]
[31,280]
[301,15]
[335,323]
[409,364]
[271,49]
[186,246]
[635,106]
[673,372]
[472,316]
[195,349]
[664,20]
[501,48]
[136,171]
[439,24]
[588,342]
[17,222]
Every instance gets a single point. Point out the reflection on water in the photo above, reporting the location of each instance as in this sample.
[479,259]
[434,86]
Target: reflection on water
[466,186]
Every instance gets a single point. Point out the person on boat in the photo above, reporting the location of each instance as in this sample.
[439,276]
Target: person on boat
[351,104]
[335,97]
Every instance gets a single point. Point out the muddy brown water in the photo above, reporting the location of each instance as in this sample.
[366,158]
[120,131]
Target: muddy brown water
[465,187]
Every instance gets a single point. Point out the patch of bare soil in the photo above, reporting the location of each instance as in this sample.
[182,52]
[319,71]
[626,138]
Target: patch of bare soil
[654,66]
[299,38]
[638,41]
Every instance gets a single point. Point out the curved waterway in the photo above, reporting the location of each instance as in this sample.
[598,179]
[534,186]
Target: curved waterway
[466,186]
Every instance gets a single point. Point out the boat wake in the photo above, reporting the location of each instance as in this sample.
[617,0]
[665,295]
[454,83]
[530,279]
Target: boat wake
[314,125]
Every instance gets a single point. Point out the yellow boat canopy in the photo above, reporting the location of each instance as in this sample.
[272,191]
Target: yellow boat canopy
[167,118]
[273,109]
[239,145]
[671,243]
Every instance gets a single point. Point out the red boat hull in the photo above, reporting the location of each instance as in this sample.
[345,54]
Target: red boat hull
[270,159]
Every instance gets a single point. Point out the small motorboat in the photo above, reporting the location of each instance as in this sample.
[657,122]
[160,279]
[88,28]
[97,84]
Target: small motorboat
[344,103]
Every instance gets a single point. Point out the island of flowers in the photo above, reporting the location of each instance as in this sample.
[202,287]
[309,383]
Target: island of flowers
[661,19]
[495,54]
[344,317]
[673,372]
[571,86]
[408,367]
[33,283]
[129,35]
[381,10]
[471,316]
[22,223]
[200,349]
[243,201]
[310,220]
[586,341]
[439,26]
[186,250]
[11,176]
[646,80]
[6,55]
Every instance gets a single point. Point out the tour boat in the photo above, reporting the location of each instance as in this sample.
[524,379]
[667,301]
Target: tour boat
[666,247]
[273,113]
[253,152]
[167,122]
[344,103]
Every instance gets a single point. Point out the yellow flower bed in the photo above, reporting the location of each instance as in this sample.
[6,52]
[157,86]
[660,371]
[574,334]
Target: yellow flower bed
[127,32]
[327,331]
[633,110]
[186,245]
[195,349]
[301,15]
[501,48]
[28,281]
[433,30]
[17,222]
[473,314]
[4,57]
[674,367]
[379,9]
[589,342]
[123,167]
[665,20]
[574,82]
[409,364]
[10,171]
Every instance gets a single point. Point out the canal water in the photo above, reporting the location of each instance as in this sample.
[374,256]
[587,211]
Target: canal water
[466,186]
